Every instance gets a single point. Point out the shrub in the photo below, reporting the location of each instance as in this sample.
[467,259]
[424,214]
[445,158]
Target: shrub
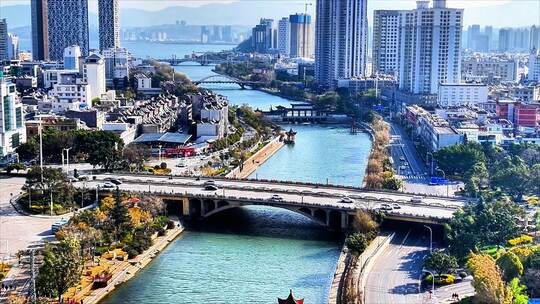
[442,279]
[163,165]
[157,167]
[510,265]
[357,242]
[462,274]
[523,239]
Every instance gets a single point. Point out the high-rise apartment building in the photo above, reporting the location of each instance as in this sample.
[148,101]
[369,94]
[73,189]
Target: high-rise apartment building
[4,40]
[386,25]
[262,36]
[535,37]
[71,57]
[13,46]
[430,47]
[40,29]
[67,25]
[340,41]
[284,36]
[534,65]
[116,65]
[300,36]
[12,129]
[109,24]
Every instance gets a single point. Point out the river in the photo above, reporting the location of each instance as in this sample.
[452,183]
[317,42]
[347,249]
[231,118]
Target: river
[256,254]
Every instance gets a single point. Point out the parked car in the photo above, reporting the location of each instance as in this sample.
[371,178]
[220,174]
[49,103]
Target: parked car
[417,199]
[386,207]
[209,182]
[347,200]
[276,197]
[402,158]
[396,206]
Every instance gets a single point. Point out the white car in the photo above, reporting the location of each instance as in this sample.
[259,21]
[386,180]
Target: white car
[396,206]
[386,207]
[276,197]
[417,199]
[108,185]
[347,200]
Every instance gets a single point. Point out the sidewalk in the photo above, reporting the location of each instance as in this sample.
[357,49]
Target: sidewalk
[257,159]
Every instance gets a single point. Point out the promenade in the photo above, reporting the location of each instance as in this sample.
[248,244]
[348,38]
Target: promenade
[257,159]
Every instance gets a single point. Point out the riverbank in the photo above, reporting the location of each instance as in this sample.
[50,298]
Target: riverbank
[257,159]
[123,271]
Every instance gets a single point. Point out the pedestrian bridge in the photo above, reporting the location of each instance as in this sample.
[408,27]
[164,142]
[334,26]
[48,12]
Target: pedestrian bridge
[321,203]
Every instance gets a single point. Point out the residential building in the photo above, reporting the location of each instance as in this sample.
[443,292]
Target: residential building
[116,65]
[40,29]
[67,25]
[534,65]
[12,129]
[94,75]
[52,121]
[92,118]
[109,24]
[430,47]
[489,70]
[386,27]
[535,37]
[340,41]
[262,36]
[4,41]
[70,93]
[52,76]
[434,132]
[284,36]
[72,54]
[13,47]
[461,94]
[522,115]
[300,36]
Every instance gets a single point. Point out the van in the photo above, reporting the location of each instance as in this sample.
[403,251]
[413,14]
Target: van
[417,199]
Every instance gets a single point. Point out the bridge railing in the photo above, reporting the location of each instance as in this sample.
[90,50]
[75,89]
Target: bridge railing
[308,184]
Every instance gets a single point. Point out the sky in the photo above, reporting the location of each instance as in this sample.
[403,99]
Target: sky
[499,13]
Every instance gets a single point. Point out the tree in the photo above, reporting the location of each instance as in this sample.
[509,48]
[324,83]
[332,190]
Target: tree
[485,223]
[458,159]
[136,155]
[357,243]
[441,262]
[531,278]
[15,166]
[153,205]
[510,266]
[54,183]
[60,270]
[513,179]
[519,292]
[363,222]
[28,150]
[487,281]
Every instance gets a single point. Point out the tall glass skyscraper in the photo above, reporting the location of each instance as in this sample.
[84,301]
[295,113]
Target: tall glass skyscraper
[109,24]
[68,25]
[40,30]
[341,37]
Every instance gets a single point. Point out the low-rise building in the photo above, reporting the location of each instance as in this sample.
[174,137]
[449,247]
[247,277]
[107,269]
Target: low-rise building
[92,118]
[52,121]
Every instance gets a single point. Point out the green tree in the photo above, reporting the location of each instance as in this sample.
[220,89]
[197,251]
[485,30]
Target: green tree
[16,166]
[28,150]
[510,266]
[519,292]
[513,179]
[60,270]
[357,243]
[458,159]
[441,262]
[476,179]
[485,223]
[136,155]
[531,278]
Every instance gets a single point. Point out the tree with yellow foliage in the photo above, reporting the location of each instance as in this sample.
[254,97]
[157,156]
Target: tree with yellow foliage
[138,216]
[487,280]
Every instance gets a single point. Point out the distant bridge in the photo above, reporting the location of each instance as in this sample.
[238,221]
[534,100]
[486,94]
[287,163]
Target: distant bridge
[321,203]
[225,79]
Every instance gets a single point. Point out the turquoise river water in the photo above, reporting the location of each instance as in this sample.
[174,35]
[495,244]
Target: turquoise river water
[255,254]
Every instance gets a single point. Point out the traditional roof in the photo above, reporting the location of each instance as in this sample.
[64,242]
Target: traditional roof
[290,300]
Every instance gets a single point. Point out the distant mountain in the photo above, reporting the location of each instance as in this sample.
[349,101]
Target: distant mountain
[215,13]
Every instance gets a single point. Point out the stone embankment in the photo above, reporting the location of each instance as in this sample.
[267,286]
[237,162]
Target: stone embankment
[257,159]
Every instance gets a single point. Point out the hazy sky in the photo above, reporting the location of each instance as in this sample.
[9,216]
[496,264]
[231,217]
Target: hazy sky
[498,13]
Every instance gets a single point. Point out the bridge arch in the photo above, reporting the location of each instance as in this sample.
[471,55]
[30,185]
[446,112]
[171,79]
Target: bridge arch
[304,211]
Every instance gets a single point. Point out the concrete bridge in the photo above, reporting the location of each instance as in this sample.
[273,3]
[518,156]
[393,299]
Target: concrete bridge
[321,203]
[224,79]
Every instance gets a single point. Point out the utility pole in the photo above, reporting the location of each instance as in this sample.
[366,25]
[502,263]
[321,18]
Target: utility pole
[32,292]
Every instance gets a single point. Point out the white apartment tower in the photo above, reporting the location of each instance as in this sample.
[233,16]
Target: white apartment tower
[284,36]
[430,43]
[386,26]
[109,24]
[341,40]
[94,75]
[12,129]
[534,65]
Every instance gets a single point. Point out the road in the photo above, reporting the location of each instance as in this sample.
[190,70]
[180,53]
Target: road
[292,194]
[411,167]
[395,275]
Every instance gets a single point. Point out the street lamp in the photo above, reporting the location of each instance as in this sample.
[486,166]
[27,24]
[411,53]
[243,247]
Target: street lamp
[428,163]
[67,159]
[444,177]
[430,238]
